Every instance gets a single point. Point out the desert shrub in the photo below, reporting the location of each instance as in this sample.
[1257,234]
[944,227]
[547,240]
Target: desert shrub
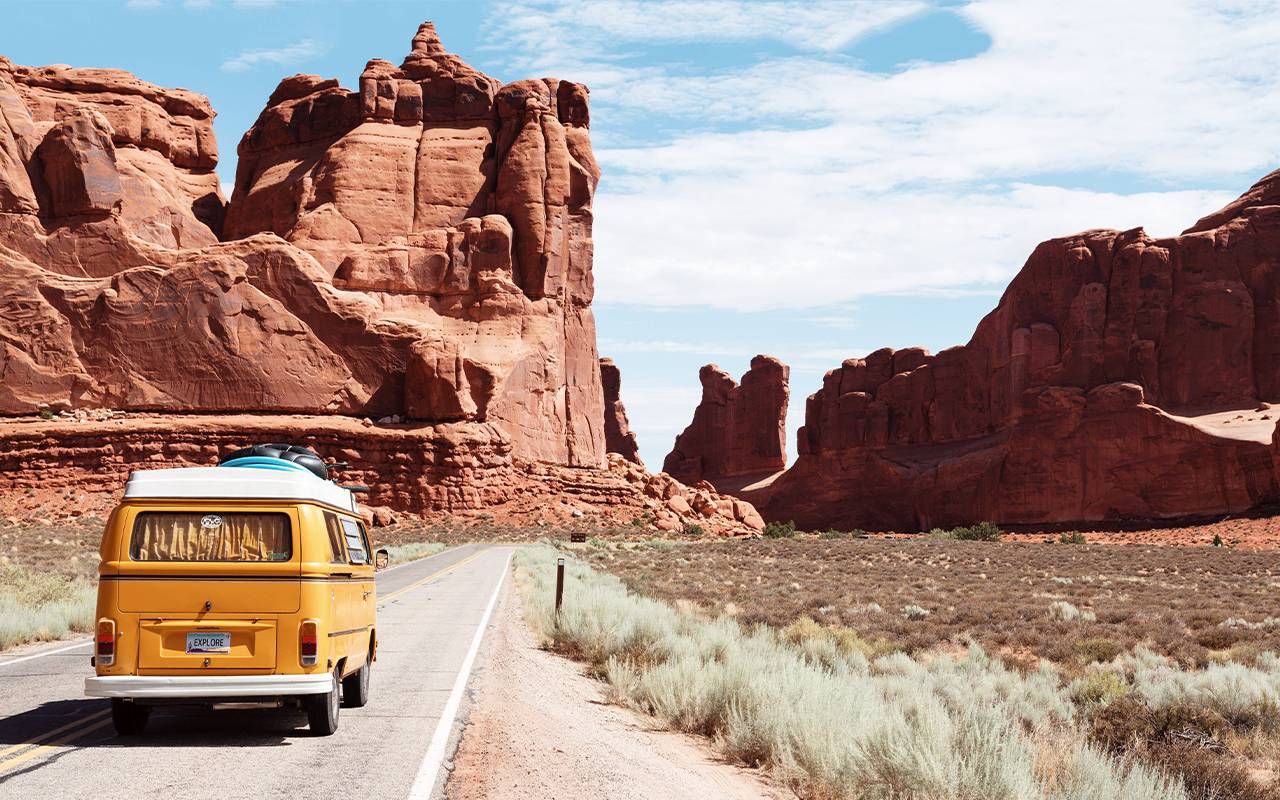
[38,606]
[1209,776]
[914,612]
[412,551]
[982,532]
[644,519]
[1097,649]
[1063,611]
[1183,740]
[1220,637]
[779,530]
[894,727]
[1071,537]
[1099,688]
[693,530]
[833,534]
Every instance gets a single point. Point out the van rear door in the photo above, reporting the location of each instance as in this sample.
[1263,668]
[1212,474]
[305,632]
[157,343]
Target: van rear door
[208,584]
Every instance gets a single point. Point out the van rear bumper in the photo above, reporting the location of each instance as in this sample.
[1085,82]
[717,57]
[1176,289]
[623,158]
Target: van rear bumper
[197,686]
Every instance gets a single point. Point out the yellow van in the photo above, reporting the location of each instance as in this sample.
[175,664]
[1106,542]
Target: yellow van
[246,584]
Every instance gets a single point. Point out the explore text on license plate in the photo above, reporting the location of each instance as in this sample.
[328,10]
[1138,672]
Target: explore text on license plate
[208,643]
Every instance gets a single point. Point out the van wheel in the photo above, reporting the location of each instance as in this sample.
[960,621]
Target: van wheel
[322,709]
[355,687]
[129,719]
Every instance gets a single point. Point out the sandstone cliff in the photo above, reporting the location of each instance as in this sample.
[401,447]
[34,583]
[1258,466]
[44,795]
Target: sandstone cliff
[416,251]
[1120,377]
[437,264]
[738,430]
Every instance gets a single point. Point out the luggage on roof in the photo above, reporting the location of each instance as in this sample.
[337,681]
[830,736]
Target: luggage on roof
[279,457]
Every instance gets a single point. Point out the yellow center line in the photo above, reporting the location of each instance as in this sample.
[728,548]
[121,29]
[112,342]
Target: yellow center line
[432,576]
[49,734]
[39,750]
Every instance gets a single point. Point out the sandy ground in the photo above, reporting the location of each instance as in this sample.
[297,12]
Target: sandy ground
[539,728]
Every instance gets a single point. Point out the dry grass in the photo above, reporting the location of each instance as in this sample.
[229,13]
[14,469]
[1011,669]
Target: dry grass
[39,606]
[1072,604]
[1144,638]
[826,720]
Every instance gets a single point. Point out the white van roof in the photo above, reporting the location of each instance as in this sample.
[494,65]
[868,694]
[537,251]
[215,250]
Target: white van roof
[235,483]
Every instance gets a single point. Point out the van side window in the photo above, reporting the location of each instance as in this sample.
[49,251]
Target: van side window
[337,554]
[355,542]
[364,536]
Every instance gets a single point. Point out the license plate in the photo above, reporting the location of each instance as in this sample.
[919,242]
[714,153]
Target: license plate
[208,643]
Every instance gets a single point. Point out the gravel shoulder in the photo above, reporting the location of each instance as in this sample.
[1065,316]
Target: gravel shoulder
[538,727]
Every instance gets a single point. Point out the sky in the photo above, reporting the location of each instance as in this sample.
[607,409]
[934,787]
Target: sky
[812,179]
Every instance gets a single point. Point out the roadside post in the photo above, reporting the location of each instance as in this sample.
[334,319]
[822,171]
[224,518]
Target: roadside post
[559,584]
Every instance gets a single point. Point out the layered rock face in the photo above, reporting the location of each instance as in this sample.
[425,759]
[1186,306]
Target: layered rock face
[463,469]
[618,436]
[738,430]
[1120,377]
[417,251]
[420,247]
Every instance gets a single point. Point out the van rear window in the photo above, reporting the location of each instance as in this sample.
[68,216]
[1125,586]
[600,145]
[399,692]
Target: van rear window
[211,536]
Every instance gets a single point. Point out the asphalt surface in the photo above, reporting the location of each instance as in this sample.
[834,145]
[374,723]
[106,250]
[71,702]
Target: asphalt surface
[55,742]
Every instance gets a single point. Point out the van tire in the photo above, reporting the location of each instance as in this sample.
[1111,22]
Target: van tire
[322,709]
[129,718]
[355,687]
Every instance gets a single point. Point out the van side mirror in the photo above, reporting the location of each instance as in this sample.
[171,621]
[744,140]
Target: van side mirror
[381,559]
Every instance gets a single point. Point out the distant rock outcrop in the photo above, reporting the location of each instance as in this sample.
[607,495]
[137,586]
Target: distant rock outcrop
[737,430]
[618,436]
[1120,377]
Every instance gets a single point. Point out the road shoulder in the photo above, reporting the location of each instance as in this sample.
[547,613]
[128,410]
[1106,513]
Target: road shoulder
[538,727]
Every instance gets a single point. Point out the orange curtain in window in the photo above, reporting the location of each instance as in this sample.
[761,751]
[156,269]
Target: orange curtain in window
[188,536]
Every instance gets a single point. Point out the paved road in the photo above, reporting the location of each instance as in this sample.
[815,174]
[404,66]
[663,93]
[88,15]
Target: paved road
[55,742]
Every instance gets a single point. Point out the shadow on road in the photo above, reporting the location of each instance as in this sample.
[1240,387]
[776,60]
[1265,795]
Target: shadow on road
[170,726]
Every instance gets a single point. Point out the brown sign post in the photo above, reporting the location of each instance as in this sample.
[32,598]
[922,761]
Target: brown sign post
[559,583]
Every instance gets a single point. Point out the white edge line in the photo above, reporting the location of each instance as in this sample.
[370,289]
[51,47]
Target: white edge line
[44,653]
[425,781]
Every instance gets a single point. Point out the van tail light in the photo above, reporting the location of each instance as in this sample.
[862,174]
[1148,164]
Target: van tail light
[308,643]
[106,643]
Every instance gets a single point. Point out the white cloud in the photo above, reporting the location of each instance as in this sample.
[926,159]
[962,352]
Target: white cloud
[280,56]
[805,181]
[547,31]
[788,241]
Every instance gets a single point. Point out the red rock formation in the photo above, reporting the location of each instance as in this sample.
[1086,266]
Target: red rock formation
[436,262]
[108,142]
[1093,391]
[737,430]
[618,436]
[462,469]
[461,211]
[419,248]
